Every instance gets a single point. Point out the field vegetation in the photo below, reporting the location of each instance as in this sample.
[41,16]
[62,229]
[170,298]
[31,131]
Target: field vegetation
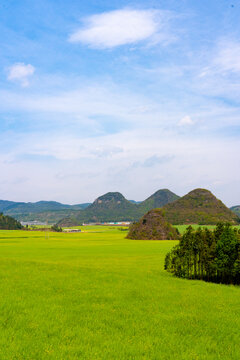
[96,295]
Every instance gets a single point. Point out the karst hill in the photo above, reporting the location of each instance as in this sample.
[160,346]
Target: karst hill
[113,206]
[199,206]
[110,207]
[158,199]
[152,226]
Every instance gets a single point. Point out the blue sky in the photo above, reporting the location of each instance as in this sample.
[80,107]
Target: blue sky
[100,96]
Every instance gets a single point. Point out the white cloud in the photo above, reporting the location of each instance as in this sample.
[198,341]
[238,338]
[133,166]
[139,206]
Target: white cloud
[80,159]
[225,60]
[86,104]
[228,56]
[221,74]
[20,72]
[186,120]
[84,174]
[119,27]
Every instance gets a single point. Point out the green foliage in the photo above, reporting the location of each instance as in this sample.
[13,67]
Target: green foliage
[123,229]
[9,223]
[56,228]
[227,248]
[207,255]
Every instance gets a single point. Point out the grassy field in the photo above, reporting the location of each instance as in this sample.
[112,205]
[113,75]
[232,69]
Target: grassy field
[96,295]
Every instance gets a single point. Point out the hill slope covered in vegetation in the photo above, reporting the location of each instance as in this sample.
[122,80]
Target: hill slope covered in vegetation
[45,211]
[199,206]
[9,223]
[158,199]
[109,207]
[114,207]
[152,226]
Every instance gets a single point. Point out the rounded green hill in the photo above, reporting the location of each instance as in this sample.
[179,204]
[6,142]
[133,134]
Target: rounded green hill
[201,207]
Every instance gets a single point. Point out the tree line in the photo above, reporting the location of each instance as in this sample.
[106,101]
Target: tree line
[207,255]
[9,223]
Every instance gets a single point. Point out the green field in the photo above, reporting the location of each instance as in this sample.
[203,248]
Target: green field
[96,295]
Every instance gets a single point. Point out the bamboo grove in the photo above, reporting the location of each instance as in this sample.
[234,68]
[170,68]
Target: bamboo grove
[207,255]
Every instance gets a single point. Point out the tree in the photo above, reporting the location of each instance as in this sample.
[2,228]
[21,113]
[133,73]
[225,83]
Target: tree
[227,254]
[207,255]
[56,228]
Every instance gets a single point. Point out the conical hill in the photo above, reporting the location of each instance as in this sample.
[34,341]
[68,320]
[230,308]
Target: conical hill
[111,206]
[199,206]
[152,226]
[158,199]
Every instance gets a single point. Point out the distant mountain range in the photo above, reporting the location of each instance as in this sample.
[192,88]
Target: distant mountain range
[109,207]
[40,206]
[236,209]
[199,206]
[44,211]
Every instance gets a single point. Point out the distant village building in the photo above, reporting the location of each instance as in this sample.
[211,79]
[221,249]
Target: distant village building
[32,223]
[122,223]
[72,230]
